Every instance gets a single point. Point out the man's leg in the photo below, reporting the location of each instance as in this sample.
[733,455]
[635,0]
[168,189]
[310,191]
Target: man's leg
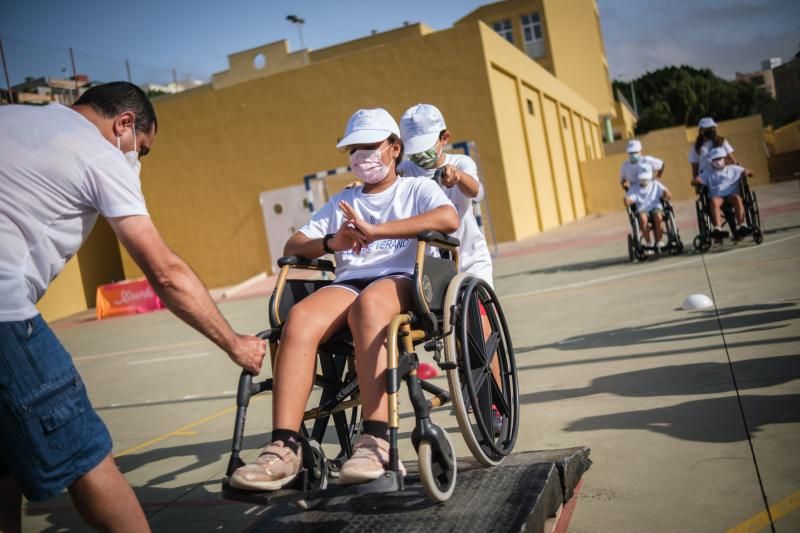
[106,501]
[10,505]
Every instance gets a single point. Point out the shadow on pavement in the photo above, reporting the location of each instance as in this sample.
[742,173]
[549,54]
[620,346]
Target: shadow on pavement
[707,420]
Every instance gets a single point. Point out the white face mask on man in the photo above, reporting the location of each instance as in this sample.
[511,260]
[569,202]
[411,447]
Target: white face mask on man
[132,157]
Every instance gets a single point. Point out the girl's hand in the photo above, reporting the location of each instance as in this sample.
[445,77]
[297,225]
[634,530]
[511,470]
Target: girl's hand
[365,231]
[347,238]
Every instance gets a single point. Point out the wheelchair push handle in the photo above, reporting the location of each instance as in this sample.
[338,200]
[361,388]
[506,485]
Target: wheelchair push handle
[308,264]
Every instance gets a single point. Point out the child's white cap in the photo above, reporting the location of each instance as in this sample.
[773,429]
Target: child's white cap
[634,146]
[645,174]
[420,127]
[707,122]
[717,153]
[368,126]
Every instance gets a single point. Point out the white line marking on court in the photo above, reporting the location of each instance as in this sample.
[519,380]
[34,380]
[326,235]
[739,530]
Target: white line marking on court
[228,392]
[190,397]
[137,350]
[253,508]
[170,358]
[624,275]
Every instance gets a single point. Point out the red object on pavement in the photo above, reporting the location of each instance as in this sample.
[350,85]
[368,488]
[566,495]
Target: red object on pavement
[427,371]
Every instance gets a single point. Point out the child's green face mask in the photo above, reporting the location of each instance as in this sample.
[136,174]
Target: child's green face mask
[426,159]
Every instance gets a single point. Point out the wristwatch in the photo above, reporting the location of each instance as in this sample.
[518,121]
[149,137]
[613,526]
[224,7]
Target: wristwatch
[325,239]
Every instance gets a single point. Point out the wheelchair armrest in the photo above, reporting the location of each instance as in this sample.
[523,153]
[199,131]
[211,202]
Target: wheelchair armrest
[272,334]
[309,264]
[437,238]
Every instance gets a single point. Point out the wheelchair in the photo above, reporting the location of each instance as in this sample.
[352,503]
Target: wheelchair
[445,319]
[637,251]
[704,239]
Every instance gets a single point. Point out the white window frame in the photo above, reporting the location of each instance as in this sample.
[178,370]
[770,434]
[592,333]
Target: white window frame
[504,29]
[531,25]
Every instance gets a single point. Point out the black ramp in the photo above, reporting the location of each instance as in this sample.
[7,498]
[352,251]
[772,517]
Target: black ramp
[518,495]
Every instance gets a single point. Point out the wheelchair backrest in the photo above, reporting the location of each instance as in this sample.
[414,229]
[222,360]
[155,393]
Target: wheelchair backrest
[431,284]
[283,298]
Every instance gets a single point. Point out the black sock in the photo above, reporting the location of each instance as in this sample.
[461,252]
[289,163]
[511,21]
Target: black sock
[290,439]
[377,429]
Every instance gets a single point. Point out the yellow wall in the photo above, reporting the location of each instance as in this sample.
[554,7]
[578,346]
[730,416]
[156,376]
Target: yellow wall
[386,37]
[217,150]
[603,193]
[241,68]
[542,175]
[784,139]
[624,123]
[65,295]
[99,260]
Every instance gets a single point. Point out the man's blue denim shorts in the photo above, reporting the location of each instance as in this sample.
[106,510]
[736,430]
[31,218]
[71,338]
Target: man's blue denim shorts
[49,434]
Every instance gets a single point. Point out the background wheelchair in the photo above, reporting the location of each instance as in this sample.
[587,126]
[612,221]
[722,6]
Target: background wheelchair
[637,250]
[445,320]
[702,242]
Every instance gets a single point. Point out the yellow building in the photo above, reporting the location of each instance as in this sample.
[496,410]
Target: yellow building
[563,36]
[266,122]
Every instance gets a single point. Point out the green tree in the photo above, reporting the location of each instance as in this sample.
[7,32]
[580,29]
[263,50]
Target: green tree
[674,96]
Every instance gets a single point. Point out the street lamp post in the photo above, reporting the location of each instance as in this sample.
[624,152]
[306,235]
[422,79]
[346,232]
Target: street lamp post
[294,19]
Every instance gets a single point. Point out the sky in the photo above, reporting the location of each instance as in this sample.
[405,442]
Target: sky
[195,36]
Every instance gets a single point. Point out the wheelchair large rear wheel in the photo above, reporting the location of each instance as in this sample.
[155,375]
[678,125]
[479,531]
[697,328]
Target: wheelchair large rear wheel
[487,411]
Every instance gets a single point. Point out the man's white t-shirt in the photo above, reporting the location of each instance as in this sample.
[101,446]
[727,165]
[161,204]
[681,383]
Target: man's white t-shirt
[474,253]
[405,198]
[57,172]
[630,171]
[701,159]
[722,182]
[647,198]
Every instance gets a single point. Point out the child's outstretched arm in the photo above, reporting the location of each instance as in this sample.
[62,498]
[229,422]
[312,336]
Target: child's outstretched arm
[466,183]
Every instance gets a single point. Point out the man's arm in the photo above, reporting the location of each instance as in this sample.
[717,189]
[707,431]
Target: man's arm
[183,292]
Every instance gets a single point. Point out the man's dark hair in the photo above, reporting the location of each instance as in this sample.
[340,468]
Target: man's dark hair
[111,99]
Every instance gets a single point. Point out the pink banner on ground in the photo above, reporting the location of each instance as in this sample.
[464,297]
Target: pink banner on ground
[126,298]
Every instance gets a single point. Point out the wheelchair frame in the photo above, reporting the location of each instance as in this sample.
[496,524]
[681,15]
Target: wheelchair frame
[704,239]
[437,314]
[637,250]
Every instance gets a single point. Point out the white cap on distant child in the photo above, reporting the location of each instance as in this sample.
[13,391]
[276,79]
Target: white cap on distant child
[634,146]
[368,126]
[420,127]
[706,122]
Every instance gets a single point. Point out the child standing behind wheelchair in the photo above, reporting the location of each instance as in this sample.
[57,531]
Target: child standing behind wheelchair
[371,229]
[723,182]
[628,174]
[646,195]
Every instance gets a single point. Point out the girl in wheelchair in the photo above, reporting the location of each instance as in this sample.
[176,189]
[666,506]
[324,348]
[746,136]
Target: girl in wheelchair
[646,196]
[723,181]
[371,229]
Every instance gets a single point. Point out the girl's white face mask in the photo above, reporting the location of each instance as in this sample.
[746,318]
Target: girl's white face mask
[131,157]
[718,164]
[368,166]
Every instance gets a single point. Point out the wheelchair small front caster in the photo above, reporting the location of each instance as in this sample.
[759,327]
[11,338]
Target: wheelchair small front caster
[437,468]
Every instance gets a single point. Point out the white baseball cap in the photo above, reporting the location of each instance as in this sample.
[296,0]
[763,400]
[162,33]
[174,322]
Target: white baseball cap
[420,127]
[634,146]
[368,126]
[645,174]
[707,122]
[717,153]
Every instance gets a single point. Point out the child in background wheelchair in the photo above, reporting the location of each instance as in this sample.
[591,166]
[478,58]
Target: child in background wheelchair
[649,208]
[725,198]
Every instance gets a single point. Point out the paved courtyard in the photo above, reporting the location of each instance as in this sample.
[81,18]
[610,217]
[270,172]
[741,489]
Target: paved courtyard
[693,417]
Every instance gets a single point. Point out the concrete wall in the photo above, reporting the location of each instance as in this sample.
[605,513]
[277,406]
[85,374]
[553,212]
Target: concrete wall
[784,139]
[386,37]
[242,68]
[672,145]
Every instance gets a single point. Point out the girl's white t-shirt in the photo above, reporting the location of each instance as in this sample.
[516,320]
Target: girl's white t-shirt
[702,158]
[404,199]
[722,182]
[647,198]
[630,171]
[474,253]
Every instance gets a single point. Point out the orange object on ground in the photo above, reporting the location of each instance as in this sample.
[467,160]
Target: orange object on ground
[126,298]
